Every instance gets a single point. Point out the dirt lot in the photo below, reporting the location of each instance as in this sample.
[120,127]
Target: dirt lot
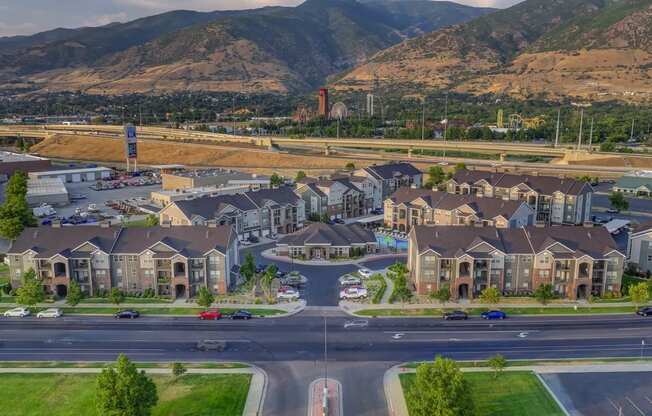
[158,152]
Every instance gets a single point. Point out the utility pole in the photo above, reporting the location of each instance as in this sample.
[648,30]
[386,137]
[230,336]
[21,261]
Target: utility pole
[445,122]
[591,137]
[423,119]
[631,133]
[579,137]
[233,113]
[558,125]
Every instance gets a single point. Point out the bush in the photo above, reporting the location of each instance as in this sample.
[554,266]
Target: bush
[378,296]
[6,289]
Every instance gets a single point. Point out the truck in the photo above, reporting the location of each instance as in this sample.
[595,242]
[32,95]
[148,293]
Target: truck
[44,210]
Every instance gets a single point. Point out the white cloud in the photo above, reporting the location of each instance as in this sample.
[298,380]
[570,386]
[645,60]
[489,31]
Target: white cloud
[7,29]
[105,19]
[204,5]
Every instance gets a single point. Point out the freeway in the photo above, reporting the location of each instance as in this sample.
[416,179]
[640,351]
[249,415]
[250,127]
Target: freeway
[291,349]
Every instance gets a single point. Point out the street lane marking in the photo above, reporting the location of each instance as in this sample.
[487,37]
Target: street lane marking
[634,405]
[614,405]
[463,332]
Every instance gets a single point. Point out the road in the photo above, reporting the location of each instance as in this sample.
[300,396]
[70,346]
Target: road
[291,350]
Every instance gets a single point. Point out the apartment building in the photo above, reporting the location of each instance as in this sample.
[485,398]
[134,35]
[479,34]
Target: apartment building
[325,241]
[576,261]
[343,197]
[171,261]
[386,179]
[408,207]
[554,200]
[266,212]
[639,247]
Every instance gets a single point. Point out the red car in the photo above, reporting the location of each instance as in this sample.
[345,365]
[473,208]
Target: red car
[214,315]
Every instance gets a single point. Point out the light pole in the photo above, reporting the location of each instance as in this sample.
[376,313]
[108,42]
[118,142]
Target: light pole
[423,119]
[445,122]
[579,136]
[558,125]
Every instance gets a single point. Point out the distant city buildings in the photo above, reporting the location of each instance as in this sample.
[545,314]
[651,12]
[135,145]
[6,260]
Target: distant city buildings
[554,200]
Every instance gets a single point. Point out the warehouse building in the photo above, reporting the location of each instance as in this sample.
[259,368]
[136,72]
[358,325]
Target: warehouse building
[11,163]
[75,175]
[212,177]
[51,191]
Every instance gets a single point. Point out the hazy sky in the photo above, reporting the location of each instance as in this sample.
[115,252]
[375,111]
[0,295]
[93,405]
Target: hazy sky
[22,17]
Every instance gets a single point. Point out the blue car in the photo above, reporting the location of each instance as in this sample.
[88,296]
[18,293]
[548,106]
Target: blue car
[493,315]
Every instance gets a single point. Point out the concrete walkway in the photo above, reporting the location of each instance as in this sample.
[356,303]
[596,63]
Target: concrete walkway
[388,291]
[255,397]
[398,407]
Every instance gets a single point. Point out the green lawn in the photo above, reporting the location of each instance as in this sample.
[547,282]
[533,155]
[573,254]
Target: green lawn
[99,364]
[110,310]
[74,394]
[512,394]
[561,310]
[4,274]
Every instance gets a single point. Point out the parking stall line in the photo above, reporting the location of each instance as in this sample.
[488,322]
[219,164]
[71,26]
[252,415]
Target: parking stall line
[638,409]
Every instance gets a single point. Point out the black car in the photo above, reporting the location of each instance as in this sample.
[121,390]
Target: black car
[260,268]
[126,314]
[456,316]
[253,239]
[645,311]
[242,315]
[338,221]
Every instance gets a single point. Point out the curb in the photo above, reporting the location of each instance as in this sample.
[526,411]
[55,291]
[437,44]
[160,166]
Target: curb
[550,392]
[355,262]
[257,392]
[394,396]
[310,395]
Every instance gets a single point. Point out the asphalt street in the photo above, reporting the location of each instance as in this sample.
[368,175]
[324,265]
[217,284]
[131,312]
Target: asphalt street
[291,350]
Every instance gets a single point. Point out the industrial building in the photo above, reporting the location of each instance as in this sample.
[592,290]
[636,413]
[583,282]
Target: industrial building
[51,191]
[212,177]
[165,197]
[75,175]
[11,163]
[637,183]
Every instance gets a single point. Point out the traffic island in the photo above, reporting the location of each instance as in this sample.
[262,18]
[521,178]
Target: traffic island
[325,398]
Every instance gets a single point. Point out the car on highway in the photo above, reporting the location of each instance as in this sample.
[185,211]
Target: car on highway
[50,313]
[490,315]
[212,314]
[211,345]
[17,313]
[456,316]
[353,293]
[242,314]
[356,323]
[365,273]
[287,293]
[645,311]
[127,314]
[349,280]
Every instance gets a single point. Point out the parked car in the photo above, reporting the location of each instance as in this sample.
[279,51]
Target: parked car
[493,315]
[287,293]
[349,280]
[213,314]
[613,211]
[242,314]
[50,313]
[357,323]
[645,311]
[261,268]
[338,221]
[456,316]
[294,279]
[126,314]
[365,273]
[353,293]
[253,239]
[211,345]
[17,312]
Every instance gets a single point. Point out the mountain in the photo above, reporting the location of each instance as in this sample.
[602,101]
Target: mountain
[549,49]
[274,49]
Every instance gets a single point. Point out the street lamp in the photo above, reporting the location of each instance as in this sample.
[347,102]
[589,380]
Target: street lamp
[581,106]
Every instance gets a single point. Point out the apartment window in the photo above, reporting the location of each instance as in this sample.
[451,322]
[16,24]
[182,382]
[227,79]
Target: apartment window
[526,272]
[649,258]
[214,260]
[118,271]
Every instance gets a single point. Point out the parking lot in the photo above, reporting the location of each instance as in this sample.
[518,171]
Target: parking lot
[603,394]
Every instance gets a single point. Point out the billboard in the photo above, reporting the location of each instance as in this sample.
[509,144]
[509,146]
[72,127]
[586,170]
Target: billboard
[131,141]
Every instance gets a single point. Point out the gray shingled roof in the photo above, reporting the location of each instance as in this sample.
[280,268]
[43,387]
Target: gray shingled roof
[452,241]
[546,185]
[484,207]
[48,241]
[334,235]
[392,170]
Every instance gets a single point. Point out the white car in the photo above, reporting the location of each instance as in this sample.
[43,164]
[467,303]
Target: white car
[50,313]
[287,294]
[349,280]
[365,273]
[18,312]
[357,323]
[353,293]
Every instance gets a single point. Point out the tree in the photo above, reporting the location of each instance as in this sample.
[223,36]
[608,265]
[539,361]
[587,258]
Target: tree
[31,292]
[267,280]
[639,293]
[490,296]
[178,369]
[15,213]
[300,175]
[498,364]
[350,166]
[116,296]
[74,295]
[440,389]
[460,166]
[325,218]
[248,268]
[544,293]
[618,201]
[205,298]
[608,146]
[121,390]
[151,220]
[275,180]
[437,175]
[443,294]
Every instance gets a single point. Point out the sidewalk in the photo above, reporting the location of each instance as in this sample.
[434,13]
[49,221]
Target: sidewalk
[255,397]
[398,407]
[388,291]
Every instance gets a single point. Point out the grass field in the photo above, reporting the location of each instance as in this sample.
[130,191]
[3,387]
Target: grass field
[73,394]
[110,310]
[99,364]
[512,394]
[509,311]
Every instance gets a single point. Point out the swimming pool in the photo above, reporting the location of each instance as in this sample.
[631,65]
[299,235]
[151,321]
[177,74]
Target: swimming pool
[389,242]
